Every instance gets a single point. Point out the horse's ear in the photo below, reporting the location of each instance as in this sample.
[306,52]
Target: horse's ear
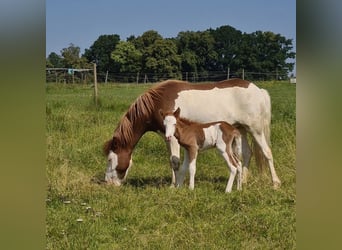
[161,112]
[177,112]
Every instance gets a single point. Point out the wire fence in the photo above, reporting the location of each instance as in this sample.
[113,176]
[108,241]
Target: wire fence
[86,76]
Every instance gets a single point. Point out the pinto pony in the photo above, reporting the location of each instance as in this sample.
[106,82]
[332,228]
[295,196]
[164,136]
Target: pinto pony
[238,102]
[195,136]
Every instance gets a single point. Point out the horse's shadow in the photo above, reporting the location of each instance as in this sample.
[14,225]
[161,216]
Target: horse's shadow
[137,182]
[155,181]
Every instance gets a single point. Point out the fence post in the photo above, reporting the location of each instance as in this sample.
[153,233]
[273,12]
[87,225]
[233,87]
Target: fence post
[106,77]
[95,84]
[243,74]
[228,73]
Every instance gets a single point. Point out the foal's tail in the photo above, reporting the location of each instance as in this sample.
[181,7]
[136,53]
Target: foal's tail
[260,158]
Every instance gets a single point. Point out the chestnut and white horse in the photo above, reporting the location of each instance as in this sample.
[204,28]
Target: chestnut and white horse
[194,136]
[238,102]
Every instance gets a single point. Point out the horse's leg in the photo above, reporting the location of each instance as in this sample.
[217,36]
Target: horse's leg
[266,150]
[246,154]
[180,173]
[175,157]
[239,179]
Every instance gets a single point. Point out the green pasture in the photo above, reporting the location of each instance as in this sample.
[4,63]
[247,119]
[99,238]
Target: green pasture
[145,213]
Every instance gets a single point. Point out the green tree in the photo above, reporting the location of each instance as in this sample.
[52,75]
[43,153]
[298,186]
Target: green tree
[197,50]
[227,40]
[100,52]
[127,57]
[71,57]
[264,52]
[147,39]
[161,57]
[54,61]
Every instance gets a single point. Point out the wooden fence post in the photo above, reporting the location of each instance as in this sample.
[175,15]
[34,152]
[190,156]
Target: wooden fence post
[95,84]
[106,77]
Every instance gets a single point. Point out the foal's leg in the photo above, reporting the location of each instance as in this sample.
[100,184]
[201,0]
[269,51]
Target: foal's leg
[192,167]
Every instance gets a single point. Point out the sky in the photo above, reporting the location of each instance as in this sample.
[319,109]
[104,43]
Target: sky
[81,22]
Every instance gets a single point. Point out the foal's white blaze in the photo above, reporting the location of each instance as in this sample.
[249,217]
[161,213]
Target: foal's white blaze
[170,126]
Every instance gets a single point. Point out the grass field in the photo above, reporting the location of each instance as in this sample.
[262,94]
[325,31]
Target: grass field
[145,213]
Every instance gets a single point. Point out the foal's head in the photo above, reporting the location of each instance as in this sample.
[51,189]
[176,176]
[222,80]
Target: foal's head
[119,162]
[170,121]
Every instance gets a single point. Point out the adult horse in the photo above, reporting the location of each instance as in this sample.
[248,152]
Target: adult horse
[238,102]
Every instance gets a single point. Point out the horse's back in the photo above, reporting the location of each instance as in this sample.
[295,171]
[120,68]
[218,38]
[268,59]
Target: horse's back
[237,102]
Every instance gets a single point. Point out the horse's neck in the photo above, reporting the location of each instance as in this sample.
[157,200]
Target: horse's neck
[139,129]
[131,132]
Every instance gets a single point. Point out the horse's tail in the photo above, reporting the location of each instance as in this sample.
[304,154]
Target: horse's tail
[260,158]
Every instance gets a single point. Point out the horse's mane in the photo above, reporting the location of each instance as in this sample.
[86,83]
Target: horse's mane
[141,109]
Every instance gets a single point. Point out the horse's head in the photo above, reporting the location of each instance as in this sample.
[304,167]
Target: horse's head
[119,162]
[170,121]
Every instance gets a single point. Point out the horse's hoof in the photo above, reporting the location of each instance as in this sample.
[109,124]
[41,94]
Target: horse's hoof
[175,162]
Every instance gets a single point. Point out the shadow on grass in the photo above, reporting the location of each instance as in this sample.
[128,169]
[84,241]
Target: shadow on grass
[161,181]
[137,182]
[155,181]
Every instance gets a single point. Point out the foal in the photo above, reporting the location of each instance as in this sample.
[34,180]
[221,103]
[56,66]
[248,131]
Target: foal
[195,136]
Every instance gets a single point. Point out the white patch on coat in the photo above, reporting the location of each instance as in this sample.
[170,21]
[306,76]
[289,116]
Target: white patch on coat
[233,105]
[210,134]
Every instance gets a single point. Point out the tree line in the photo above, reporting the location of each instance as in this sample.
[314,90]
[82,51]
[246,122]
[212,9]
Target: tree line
[198,52]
